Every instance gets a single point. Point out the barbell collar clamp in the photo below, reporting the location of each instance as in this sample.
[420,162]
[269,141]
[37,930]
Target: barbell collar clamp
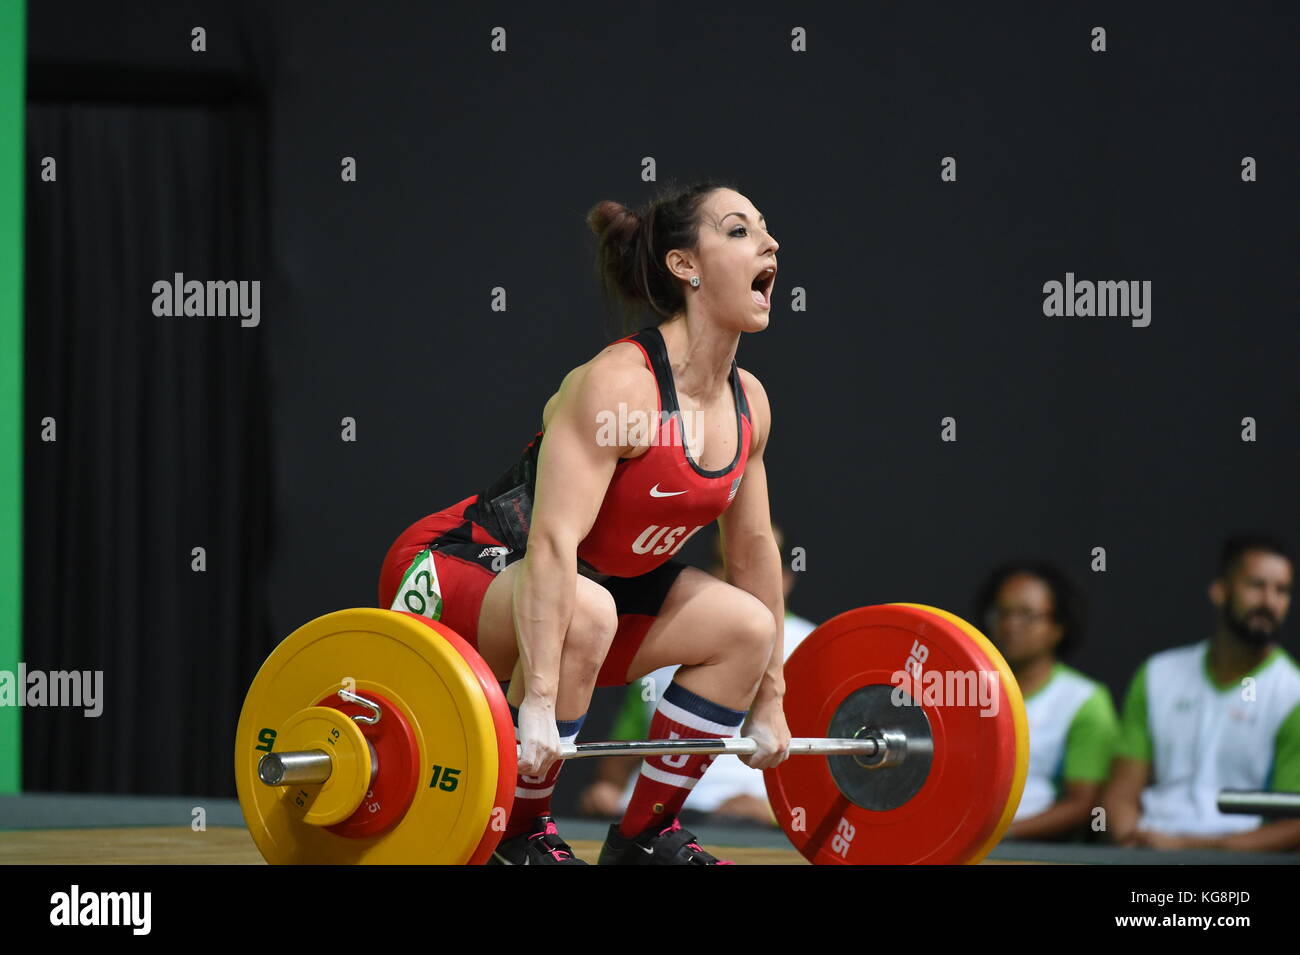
[892,748]
[376,713]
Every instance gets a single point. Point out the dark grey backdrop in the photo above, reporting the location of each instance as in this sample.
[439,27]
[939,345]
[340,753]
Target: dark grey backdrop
[924,297]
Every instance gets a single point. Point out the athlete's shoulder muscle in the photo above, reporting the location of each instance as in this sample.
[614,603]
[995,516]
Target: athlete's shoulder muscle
[616,373]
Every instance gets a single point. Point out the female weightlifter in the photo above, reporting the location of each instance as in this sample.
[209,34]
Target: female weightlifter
[562,572]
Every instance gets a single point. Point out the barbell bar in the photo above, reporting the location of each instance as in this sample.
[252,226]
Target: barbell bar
[303,766]
[888,749]
[1275,805]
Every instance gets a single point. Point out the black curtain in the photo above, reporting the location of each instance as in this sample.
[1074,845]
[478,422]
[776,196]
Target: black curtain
[163,441]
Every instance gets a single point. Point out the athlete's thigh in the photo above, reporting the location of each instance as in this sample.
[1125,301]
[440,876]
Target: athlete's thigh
[698,619]
[496,623]
[497,641]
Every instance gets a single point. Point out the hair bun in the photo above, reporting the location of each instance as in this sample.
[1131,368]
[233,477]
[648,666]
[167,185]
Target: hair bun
[613,218]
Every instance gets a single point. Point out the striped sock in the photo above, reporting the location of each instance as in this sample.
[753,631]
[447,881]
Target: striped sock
[533,793]
[666,781]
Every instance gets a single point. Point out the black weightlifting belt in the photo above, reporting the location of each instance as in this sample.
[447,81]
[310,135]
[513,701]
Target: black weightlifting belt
[505,508]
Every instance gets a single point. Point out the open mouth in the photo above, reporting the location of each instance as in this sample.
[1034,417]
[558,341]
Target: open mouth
[761,286]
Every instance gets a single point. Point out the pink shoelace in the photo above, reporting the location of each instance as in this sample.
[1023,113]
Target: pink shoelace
[691,845]
[559,855]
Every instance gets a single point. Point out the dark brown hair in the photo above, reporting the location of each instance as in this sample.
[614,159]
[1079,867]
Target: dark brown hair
[1067,602]
[632,244]
[1236,546]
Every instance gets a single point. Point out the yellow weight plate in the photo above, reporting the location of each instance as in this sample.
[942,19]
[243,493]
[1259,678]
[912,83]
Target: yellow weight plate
[335,733]
[1016,700]
[405,661]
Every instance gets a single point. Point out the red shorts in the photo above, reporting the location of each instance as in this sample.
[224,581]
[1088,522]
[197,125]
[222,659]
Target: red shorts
[463,556]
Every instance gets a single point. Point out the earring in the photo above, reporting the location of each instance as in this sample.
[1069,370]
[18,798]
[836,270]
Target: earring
[695,281]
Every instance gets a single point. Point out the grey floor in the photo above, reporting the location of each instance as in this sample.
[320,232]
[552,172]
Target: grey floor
[79,811]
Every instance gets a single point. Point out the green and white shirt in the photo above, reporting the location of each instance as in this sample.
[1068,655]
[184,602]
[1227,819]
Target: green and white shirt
[1200,737]
[1073,728]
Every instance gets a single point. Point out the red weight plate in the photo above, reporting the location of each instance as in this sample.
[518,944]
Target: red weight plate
[505,730]
[397,758]
[960,800]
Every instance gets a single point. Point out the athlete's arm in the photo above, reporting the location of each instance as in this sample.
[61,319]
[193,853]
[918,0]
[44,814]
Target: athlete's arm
[753,564]
[573,473]
[1089,747]
[1130,770]
[1279,836]
[1069,813]
[1122,798]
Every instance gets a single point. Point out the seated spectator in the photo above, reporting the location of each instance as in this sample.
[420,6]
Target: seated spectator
[1223,713]
[729,792]
[1034,615]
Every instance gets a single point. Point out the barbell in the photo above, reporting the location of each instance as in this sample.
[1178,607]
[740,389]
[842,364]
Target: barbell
[1266,803]
[380,736]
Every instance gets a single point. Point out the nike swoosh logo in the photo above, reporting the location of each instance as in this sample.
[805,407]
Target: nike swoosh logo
[655,492]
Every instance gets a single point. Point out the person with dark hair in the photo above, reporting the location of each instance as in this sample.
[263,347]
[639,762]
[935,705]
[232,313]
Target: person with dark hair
[1223,713]
[1032,612]
[562,574]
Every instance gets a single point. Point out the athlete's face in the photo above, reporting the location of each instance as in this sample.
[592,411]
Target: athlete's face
[734,250]
[1253,601]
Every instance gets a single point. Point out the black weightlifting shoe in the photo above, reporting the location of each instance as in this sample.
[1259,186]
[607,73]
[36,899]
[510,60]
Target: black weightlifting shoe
[541,846]
[658,845]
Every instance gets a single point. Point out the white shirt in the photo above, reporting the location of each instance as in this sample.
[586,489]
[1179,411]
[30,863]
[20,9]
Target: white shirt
[1204,738]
